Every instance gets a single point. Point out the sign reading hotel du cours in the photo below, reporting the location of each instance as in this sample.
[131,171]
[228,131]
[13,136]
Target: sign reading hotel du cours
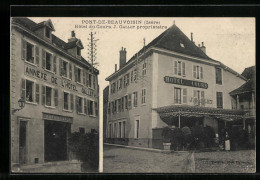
[50,78]
[185,82]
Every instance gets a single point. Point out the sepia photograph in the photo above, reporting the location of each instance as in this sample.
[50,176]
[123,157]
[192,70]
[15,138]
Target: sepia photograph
[132,95]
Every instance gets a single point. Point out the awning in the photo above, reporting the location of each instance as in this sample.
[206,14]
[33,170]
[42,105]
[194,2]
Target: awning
[198,111]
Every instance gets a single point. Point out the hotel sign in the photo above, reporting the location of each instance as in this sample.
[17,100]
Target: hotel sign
[55,117]
[58,81]
[185,82]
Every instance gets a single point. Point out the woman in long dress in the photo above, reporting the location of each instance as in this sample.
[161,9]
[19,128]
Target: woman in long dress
[227,142]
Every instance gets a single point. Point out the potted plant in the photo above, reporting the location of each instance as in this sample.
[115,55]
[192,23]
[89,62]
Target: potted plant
[167,135]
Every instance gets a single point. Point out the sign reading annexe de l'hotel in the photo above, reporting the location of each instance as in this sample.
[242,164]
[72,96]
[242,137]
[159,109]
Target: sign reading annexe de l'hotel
[47,77]
[185,82]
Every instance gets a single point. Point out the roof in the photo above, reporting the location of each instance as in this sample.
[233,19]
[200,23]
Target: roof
[248,86]
[249,72]
[171,39]
[30,25]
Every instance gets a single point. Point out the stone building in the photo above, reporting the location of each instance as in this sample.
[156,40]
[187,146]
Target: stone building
[59,87]
[169,82]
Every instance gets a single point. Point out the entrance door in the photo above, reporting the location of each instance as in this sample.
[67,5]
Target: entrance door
[55,140]
[22,142]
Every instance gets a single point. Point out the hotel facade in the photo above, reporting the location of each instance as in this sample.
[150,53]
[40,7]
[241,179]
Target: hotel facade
[60,90]
[169,82]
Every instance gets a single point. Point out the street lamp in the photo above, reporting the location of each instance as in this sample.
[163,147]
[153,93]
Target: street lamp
[21,103]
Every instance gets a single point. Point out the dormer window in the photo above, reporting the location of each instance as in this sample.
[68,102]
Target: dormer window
[78,51]
[47,33]
[182,45]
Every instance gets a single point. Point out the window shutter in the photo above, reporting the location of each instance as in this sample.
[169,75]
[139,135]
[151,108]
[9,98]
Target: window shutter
[43,59]
[54,64]
[194,71]
[87,79]
[202,98]
[85,106]
[84,77]
[183,69]
[23,49]
[43,95]
[136,99]
[88,104]
[23,89]
[195,99]
[37,93]
[70,71]
[56,97]
[37,55]
[77,103]
[184,93]
[201,73]
[76,74]
[71,102]
[96,108]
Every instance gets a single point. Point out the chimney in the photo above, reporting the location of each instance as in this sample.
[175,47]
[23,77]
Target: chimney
[203,48]
[122,58]
[73,36]
[115,67]
[191,37]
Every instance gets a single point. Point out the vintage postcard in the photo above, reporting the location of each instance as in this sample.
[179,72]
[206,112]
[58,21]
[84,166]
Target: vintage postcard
[132,95]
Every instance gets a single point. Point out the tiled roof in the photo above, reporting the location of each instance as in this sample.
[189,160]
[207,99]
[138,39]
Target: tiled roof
[248,86]
[249,72]
[30,25]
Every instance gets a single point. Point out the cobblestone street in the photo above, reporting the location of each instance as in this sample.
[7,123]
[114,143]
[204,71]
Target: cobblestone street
[123,160]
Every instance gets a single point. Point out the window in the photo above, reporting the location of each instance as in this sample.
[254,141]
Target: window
[48,62]
[143,96]
[66,101]
[135,99]
[127,80]
[132,74]
[135,75]
[119,105]
[29,91]
[47,33]
[113,88]
[90,107]
[199,98]
[120,129]
[179,68]
[94,81]
[197,72]
[112,107]
[115,130]
[124,128]
[218,76]
[122,104]
[79,75]
[219,100]
[29,52]
[48,96]
[120,83]
[79,103]
[137,129]
[144,69]
[78,51]
[129,101]
[177,95]
[96,108]
[90,80]
[126,102]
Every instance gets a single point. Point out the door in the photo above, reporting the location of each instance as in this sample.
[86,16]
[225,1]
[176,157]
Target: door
[23,142]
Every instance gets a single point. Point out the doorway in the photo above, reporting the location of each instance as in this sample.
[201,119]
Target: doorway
[23,142]
[56,140]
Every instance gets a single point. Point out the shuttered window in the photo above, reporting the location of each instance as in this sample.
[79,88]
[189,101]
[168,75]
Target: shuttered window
[85,106]
[37,55]
[197,72]
[129,101]
[184,95]
[37,93]
[43,95]
[55,64]
[56,98]
[135,99]
[71,102]
[179,68]
[177,95]
[96,108]
[28,52]
[219,100]
[143,96]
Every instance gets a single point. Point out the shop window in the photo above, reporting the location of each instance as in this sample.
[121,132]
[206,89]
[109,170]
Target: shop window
[143,96]
[137,124]
[218,76]
[220,100]
[135,99]
[179,68]
[129,101]
[197,72]
[177,95]
[144,69]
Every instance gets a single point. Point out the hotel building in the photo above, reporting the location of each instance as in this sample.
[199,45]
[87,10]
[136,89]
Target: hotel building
[60,90]
[169,82]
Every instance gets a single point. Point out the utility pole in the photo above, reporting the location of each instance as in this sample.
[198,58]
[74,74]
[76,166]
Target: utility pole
[92,50]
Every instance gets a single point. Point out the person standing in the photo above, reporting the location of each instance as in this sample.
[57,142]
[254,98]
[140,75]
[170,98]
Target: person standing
[227,142]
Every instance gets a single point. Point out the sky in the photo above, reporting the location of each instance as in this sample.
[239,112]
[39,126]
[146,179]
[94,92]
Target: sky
[228,40]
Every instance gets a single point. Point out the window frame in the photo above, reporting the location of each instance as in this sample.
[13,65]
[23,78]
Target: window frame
[179,100]
[221,76]
[33,89]
[143,101]
[222,100]
[51,61]
[52,96]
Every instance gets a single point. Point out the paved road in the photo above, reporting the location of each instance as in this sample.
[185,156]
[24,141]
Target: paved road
[123,160]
